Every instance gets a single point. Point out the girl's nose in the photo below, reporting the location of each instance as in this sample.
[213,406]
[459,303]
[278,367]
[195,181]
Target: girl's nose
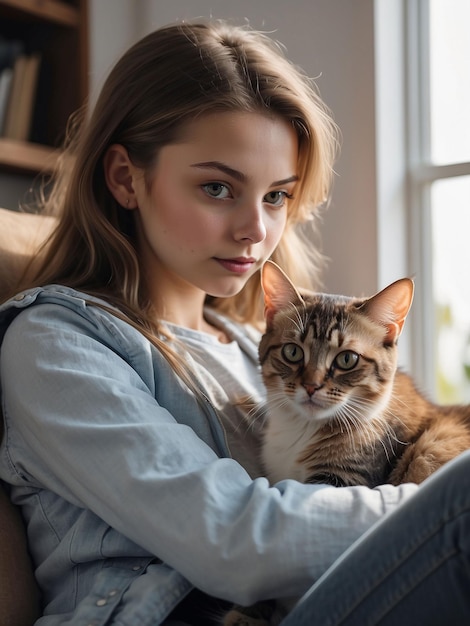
[249,224]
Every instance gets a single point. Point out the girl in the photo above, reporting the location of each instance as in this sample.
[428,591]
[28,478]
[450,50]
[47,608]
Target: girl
[129,364]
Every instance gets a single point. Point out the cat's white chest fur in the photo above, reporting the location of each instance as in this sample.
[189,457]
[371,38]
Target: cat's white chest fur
[285,437]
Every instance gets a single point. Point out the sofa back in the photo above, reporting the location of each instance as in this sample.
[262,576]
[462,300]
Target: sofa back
[20,234]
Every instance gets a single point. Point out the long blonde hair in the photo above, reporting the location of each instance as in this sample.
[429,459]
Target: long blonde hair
[168,78]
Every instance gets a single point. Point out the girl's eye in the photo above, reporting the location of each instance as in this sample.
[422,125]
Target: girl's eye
[346,360]
[277,198]
[292,353]
[216,190]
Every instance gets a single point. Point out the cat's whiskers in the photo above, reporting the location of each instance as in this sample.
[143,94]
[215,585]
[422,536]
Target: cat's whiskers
[357,405]
[390,416]
[256,414]
[279,401]
[378,428]
[389,435]
[292,421]
[388,427]
[365,428]
[346,418]
[406,406]
[358,411]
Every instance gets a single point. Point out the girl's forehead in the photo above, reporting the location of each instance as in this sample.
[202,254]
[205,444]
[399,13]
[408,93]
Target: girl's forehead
[225,122]
[240,140]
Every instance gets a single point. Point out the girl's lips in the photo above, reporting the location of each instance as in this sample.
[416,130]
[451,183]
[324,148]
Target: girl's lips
[237,266]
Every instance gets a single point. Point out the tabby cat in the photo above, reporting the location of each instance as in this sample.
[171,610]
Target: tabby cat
[339,411]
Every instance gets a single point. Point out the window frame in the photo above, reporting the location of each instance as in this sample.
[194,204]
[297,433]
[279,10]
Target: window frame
[421,174]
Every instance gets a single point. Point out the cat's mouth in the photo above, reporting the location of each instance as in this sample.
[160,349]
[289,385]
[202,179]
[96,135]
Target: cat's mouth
[318,408]
[315,402]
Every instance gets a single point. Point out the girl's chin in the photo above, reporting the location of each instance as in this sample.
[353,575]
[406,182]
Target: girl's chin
[227,291]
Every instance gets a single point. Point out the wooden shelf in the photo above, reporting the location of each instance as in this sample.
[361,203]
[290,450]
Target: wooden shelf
[19,156]
[50,10]
[58,31]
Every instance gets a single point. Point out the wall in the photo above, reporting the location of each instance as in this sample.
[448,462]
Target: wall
[332,40]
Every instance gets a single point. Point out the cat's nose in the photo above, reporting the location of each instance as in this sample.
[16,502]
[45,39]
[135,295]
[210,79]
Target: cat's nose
[310,388]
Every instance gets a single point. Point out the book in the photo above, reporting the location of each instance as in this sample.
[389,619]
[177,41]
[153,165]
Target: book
[19,70]
[6,77]
[22,97]
[28,98]
[10,49]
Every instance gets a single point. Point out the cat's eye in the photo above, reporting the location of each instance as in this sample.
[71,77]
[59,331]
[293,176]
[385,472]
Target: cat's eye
[292,353]
[346,360]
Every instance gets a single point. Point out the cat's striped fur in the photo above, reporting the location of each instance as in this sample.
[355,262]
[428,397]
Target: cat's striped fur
[339,412]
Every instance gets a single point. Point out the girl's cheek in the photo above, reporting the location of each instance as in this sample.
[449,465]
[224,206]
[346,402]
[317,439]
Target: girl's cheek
[278,226]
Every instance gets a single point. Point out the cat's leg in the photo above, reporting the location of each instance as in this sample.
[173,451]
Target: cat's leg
[438,444]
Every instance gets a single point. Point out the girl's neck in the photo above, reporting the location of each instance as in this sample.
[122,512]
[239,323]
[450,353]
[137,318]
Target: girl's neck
[186,310]
[200,325]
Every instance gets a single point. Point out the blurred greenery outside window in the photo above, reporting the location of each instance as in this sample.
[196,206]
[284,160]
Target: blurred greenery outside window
[439,128]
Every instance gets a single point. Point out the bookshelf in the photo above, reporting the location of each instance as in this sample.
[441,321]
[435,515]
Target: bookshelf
[57,32]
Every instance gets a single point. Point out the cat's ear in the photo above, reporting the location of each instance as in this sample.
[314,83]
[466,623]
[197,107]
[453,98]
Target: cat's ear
[390,307]
[278,289]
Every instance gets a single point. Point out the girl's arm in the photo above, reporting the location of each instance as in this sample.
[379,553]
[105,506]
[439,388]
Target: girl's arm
[82,421]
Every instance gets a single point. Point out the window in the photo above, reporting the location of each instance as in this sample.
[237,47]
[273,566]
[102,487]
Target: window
[439,192]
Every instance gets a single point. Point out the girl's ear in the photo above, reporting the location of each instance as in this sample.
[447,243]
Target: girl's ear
[118,172]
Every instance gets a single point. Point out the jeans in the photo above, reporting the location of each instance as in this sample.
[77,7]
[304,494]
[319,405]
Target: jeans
[412,568]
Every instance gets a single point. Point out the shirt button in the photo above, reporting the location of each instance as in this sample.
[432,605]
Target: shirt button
[101,602]
[19,297]
[112,593]
[136,568]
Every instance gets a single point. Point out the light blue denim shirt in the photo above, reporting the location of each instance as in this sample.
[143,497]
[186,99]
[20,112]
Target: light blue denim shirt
[127,486]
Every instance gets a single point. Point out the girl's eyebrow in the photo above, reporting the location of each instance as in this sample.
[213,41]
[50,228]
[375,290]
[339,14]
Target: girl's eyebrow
[240,176]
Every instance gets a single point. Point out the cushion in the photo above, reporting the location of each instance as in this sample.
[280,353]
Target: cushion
[20,234]
[19,596]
